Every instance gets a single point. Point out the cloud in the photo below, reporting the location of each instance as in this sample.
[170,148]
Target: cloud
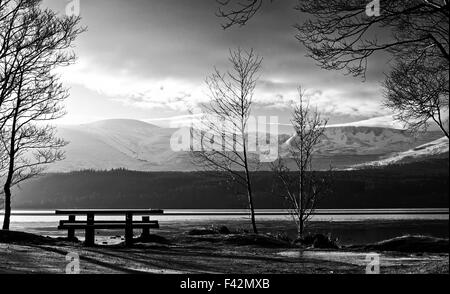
[387,121]
[133,89]
[156,54]
[178,94]
[361,100]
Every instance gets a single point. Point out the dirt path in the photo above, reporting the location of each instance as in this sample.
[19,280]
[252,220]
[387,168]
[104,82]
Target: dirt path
[198,258]
[52,259]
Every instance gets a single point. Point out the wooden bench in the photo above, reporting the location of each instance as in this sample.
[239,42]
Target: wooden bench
[90,224]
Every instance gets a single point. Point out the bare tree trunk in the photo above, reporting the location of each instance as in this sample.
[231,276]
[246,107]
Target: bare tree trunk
[7,216]
[8,182]
[249,183]
[300,213]
[12,154]
[300,196]
[250,202]
[300,226]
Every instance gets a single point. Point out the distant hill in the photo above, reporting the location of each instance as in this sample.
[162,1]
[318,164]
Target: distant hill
[136,145]
[412,185]
[119,143]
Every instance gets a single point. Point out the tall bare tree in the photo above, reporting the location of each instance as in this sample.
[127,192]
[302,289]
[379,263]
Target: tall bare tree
[223,135]
[301,186]
[35,43]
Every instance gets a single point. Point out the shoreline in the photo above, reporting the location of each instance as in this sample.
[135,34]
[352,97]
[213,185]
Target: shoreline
[176,250]
[347,232]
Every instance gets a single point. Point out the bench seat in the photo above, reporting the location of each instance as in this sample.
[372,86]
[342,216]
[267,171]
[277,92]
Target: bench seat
[64,222]
[109,211]
[108,225]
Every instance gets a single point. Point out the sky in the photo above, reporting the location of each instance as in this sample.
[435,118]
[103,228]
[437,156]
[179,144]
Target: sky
[148,60]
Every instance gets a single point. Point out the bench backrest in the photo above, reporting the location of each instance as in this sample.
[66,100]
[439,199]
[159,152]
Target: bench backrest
[109,211]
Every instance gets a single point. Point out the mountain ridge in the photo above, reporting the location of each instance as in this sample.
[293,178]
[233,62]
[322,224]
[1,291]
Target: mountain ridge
[138,145]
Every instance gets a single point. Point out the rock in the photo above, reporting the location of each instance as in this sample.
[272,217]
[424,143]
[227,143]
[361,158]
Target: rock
[152,239]
[223,230]
[317,241]
[324,242]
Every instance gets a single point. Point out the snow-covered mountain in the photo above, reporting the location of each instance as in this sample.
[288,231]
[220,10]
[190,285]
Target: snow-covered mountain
[117,143]
[362,140]
[137,145]
[436,149]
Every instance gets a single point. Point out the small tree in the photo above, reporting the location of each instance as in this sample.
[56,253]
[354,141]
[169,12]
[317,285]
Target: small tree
[301,186]
[223,133]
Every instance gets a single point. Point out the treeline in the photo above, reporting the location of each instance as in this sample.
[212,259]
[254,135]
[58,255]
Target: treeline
[406,186]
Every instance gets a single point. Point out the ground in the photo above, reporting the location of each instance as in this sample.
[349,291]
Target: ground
[178,251]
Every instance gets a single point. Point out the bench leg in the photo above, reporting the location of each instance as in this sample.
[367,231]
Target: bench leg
[71,232]
[129,229]
[90,232]
[145,231]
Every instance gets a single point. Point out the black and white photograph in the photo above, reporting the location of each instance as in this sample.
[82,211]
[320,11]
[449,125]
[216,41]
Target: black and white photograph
[224,144]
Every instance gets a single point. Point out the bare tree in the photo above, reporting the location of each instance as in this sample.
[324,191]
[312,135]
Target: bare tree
[223,135]
[341,35]
[40,42]
[301,186]
[419,95]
